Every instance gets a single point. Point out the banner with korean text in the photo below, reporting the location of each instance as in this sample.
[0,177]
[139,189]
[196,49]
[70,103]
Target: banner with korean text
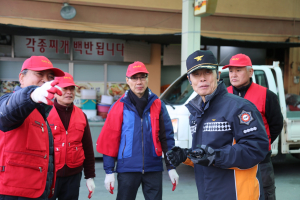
[60,48]
[98,49]
[49,46]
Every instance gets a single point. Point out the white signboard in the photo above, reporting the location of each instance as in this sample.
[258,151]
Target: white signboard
[205,8]
[49,46]
[200,7]
[98,49]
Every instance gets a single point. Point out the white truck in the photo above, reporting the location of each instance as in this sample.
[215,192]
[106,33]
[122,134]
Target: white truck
[180,92]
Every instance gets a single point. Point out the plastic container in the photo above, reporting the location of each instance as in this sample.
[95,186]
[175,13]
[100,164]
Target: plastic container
[90,113]
[102,114]
[88,104]
[103,107]
[88,94]
[105,99]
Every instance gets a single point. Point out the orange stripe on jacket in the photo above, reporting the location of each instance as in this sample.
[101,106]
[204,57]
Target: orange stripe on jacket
[246,183]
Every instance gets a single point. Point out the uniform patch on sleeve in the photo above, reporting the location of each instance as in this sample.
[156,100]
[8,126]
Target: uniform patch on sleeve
[250,130]
[245,117]
[193,129]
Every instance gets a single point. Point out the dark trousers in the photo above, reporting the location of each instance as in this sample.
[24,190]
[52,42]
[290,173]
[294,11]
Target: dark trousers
[268,179]
[129,183]
[67,188]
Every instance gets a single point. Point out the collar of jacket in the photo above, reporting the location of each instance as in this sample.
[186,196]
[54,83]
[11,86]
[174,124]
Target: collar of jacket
[151,98]
[197,101]
[63,108]
[242,89]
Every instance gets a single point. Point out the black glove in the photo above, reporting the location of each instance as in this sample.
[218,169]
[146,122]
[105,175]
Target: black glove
[203,155]
[177,155]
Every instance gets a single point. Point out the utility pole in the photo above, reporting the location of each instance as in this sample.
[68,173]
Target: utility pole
[190,32]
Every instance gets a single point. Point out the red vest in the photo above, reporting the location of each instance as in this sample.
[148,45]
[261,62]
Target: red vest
[68,144]
[257,94]
[24,158]
[112,129]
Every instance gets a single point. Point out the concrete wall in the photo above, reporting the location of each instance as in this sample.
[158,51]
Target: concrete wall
[268,20]
[154,69]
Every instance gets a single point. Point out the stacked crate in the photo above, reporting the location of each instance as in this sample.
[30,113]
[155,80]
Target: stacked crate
[89,102]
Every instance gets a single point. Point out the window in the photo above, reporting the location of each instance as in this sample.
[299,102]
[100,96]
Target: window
[88,72]
[261,78]
[179,92]
[225,77]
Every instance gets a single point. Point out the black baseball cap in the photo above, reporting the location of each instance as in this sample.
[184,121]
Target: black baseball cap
[201,59]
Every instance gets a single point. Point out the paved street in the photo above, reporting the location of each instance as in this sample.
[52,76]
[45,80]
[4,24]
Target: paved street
[287,176]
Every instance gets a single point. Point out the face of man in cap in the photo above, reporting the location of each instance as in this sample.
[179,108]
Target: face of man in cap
[38,78]
[240,76]
[138,83]
[204,81]
[67,97]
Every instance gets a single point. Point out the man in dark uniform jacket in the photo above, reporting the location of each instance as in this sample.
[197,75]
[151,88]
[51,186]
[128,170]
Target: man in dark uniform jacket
[229,138]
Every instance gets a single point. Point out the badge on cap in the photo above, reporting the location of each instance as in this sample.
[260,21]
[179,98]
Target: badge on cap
[198,58]
[245,117]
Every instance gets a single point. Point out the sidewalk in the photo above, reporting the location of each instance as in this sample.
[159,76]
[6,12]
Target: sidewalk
[185,190]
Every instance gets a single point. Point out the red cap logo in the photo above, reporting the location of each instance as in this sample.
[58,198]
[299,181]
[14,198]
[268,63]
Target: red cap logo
[135,68]
[65,81]
[41,63]
[239,60]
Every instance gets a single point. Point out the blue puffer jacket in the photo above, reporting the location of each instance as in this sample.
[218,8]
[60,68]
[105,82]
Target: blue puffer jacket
[14,109]
[136,150]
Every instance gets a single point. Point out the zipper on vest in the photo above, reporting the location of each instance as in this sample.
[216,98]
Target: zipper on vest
[40,126]
[26,153]
[66,147]
[123,150]
[142,143]
[27,166]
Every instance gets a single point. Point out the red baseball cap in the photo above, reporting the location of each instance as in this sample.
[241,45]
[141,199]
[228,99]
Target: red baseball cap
[41,63]
[239,60]
[65,81]
[135,68]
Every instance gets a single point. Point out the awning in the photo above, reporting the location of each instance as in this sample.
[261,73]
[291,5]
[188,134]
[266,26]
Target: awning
[163,39]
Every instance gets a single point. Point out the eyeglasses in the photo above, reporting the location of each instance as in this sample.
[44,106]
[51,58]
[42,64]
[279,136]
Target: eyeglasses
[135,78]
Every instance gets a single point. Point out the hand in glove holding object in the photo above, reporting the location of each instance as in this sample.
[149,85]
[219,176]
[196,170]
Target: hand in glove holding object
[174,178]
[203,155]
[45,93]
[177,155]
[90,184]
[109,182]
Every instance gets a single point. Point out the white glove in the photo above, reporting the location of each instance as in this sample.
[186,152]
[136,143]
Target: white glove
[174,178]
[45,93]
[90,184]
[109,182]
